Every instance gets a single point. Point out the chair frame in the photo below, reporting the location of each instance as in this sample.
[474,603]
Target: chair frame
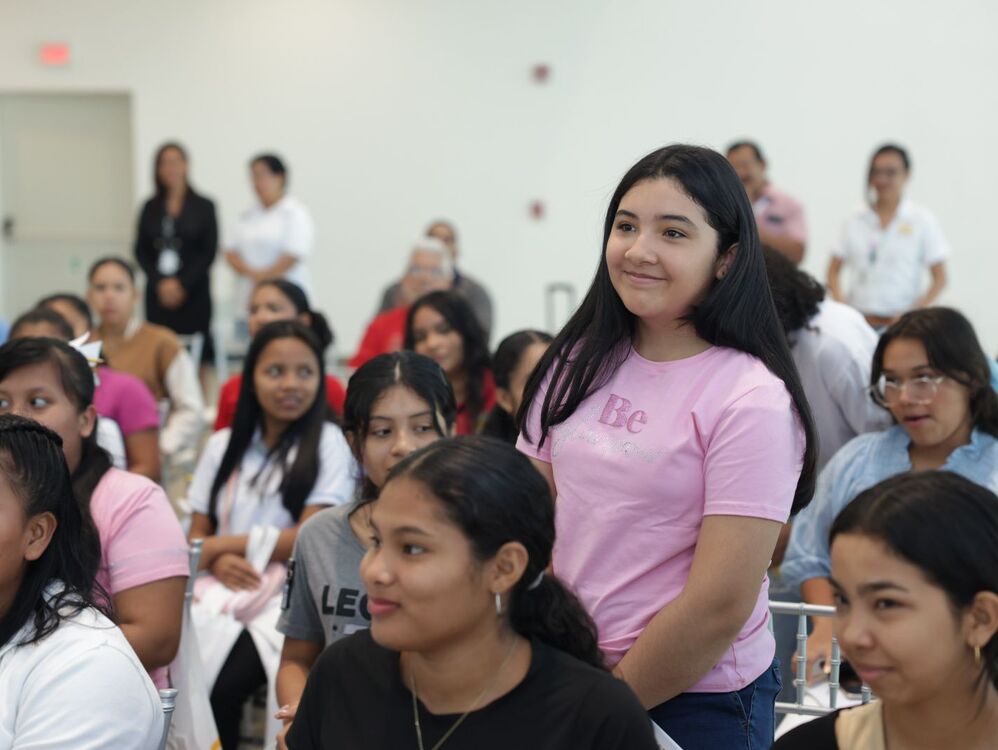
[803,611]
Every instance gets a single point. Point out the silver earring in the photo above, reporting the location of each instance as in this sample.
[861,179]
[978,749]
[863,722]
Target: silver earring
[498,603]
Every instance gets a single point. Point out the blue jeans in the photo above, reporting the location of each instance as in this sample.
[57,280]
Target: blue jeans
[741,720]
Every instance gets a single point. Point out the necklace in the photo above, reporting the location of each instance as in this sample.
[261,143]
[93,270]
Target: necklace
[462,717]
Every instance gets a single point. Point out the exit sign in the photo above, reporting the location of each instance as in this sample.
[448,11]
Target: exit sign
[54,54]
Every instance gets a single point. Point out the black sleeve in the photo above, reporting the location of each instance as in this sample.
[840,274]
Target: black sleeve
[145,251]
[618,722]
[196,265]
[818,734]
[306,729]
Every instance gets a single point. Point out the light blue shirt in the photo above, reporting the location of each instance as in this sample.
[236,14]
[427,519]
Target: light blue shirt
[861,463]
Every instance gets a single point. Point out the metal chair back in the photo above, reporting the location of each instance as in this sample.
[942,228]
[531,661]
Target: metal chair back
[168,699]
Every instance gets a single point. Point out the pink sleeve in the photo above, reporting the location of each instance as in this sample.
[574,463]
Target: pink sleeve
[530,447]
[139,412]
[754,456]
[142,539]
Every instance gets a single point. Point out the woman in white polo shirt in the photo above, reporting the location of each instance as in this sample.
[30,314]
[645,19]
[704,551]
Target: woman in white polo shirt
[272,239]
[886,246]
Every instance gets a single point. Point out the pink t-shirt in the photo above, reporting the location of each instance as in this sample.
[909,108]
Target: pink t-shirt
[127,400]
[141,540]
[638,466]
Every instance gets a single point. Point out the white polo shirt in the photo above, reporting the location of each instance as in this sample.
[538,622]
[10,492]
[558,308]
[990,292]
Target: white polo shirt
[262,235]
[81,687]
[886,266]
[259,502]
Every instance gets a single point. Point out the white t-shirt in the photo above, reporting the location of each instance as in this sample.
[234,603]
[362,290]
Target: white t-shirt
[109,438]
[260,503]
[887,266]
[264,234]
[81,687]
[834,353]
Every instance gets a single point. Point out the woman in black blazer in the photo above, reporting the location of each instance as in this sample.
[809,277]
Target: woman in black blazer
[175,245]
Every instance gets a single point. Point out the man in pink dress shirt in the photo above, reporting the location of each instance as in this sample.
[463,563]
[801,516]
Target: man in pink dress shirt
[779,216]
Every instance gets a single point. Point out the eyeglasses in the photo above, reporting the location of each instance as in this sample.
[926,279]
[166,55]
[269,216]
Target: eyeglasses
[921,389]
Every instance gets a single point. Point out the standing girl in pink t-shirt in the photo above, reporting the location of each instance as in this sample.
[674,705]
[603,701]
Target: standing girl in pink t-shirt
[670,421]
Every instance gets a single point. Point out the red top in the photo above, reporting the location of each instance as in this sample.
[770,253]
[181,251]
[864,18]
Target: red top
[386,333]
[228,397]
[464,425]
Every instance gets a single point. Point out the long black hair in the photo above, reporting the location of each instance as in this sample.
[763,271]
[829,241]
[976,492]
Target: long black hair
[458,313]
[943,524]
[494,496]
[158,183]
[299,301]
[953,349]
[32,462]
[796,294]
[419,374]
[737,311]
[500,423]
[298,479]
[78,384]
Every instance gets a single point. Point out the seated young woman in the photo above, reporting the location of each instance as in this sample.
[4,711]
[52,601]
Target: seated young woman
[515,359]
[915,576]
[255,484]
[68,677]
[150,352]
[930,373]
[443,327]
[280,299]
[144,558]
[396,404]
[119,397]
[472,643]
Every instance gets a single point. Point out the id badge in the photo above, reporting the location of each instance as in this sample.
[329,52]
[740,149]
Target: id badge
[169,262]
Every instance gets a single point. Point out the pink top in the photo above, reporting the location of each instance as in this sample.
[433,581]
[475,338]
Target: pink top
[141,540]
[781,214]
[127,400]
[638,466]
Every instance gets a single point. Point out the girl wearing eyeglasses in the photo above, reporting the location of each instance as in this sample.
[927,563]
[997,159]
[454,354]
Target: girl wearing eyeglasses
[930,373]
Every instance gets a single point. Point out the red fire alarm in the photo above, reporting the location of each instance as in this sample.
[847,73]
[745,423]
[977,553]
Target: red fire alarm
[54,54]
[537,210]
[540,73]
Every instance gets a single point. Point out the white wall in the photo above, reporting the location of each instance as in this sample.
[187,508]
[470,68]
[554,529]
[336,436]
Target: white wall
[392,112]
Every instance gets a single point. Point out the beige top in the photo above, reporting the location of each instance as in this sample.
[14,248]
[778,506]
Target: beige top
[146,351]
[861,728]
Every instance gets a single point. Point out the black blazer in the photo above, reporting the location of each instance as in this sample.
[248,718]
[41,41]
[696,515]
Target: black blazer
[196,230]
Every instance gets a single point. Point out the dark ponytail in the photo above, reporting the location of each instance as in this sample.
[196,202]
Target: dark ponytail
[494,495]
[78,384]
[298,299]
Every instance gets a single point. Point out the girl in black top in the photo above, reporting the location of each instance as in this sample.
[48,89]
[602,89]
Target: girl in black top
[472,643]
[175,246]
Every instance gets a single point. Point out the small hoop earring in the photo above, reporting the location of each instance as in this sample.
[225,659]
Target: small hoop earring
[977,655]
[498,603]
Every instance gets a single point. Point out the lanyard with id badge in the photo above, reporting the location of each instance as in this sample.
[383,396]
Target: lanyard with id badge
[168,245]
